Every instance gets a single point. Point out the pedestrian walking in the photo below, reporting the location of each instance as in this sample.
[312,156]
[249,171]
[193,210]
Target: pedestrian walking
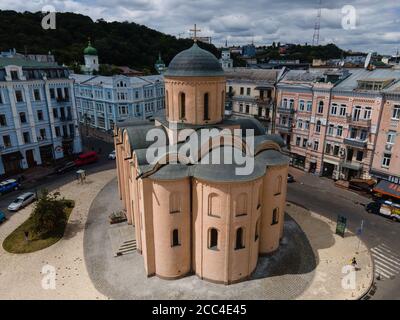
[354,262]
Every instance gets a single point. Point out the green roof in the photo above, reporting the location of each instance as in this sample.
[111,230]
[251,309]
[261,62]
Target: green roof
[90,51]
[25,63]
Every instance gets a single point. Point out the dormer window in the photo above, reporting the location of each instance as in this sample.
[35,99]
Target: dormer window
[14,75]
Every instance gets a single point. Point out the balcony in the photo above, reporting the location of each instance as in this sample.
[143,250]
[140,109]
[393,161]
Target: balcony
[363,123]
[353,165]
[284,110]
[357,143]
[263,101]
[62,99]
[285,128]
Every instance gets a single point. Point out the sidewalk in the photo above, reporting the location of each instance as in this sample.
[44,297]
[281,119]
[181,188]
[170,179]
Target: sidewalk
[332,253]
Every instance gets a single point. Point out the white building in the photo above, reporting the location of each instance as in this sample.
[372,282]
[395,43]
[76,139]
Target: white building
[226,61]
[91,60]
[103,101]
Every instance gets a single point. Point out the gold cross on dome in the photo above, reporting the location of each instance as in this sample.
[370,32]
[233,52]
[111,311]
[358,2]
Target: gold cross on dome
[195,31]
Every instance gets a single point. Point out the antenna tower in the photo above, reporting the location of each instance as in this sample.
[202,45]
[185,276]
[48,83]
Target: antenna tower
[317,27]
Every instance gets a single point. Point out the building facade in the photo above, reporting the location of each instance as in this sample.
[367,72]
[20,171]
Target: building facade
[38,120]
[103,101]
[330,119]
[226,61]
[251,93]
[200,218]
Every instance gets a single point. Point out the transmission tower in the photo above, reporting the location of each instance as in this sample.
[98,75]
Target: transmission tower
[315,40]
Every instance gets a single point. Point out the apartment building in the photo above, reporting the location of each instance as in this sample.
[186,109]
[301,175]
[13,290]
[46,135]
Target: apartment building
[331,119]
[251,93]
[38,120]
[103,101]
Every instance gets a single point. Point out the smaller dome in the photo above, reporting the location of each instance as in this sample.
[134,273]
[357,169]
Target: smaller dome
[195,62]
[89,50]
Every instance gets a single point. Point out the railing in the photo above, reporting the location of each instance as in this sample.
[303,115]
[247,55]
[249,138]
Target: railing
[351,165]
[357,143]
[366,123]
[285,110]
[284,127]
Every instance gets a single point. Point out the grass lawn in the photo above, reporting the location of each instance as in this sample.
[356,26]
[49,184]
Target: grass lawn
[16,243]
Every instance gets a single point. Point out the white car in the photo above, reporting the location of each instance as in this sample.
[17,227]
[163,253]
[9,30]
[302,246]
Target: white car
[22,201]
[112,156]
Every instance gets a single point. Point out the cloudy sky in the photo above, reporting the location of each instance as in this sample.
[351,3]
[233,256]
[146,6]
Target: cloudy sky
[374,26]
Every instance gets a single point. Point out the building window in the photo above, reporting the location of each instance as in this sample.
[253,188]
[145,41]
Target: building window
[301,105]
[206,115]
[300,124]
[3,120]
[307,125]
[257,230]
[167,103]
[239,239]
[328,148]
[334,109]
[396,113]
[1,98]
[214,205]
[14,75]
[309,106]
[247,108]
[223,103]
[321,107]
[27,138]
[359,155]
[391,137]
[330,129]
[336,150]
[7,141]
[318,127]
[18,96]
[36,94]
[305,143]
[22,117]
[52,93]
[342,111]
[40,115]
[213,239]
[55,113]
[284,103]
[182,106]
[275,216]
[316,145]
[58,131]
[175,238]
[248,91]
[241,91]
[241,205]
[339,131]
[367,113]
[42,133]
[386,160]
[278,185]
[298,141]
[174,203]
[291,104]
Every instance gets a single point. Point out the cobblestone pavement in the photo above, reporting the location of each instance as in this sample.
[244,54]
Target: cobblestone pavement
[21,274]
[301,269]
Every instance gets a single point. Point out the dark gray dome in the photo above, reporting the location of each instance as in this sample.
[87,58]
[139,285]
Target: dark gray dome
[194,62]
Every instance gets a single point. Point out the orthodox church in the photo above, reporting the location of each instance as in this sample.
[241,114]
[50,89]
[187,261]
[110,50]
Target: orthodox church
[91,60]
[191,217]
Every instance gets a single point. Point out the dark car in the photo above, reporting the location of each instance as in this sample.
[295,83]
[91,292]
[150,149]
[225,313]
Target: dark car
[2,217]
[373,207]
[290,178]
[69,166]
[9,185]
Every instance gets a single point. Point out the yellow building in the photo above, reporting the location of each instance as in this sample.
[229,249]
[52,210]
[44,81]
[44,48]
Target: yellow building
[201,218]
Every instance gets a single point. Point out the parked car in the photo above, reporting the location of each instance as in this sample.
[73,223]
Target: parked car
[290,178]
[22,201]
[2,217]
[362,185]
[373,207]
[9,185]
[86,158]
[385,208]
[112,156]
[69,166]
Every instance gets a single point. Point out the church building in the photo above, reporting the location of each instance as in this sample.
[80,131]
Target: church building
[194,217]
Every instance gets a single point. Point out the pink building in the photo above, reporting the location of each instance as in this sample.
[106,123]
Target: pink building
[330,119]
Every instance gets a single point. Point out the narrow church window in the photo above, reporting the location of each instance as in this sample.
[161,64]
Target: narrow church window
[275,216]
[257,231]
[278,185]
[241,205]
[239,239]
[182,113]
[167,103]
[175,238]
[214,205]
[174,203]
[206,111]
[213,239]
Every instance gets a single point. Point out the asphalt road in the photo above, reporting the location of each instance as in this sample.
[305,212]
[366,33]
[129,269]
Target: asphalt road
[380,234]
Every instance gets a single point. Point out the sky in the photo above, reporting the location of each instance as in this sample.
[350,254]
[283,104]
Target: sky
[358,25]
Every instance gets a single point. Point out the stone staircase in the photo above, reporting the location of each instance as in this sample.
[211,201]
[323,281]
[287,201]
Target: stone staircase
[128,246]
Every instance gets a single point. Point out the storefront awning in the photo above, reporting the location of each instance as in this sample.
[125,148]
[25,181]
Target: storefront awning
[388,188]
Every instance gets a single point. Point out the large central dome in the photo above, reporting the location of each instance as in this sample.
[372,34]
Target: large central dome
[195,62]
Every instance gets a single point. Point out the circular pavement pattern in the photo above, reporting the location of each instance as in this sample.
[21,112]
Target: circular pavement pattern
[284,275]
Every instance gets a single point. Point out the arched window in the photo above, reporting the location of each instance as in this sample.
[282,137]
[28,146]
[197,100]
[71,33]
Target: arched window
[206,110]
[318,126]
[239,239]
[213,239]
[257,231]
[275,216]
[182,106]
[241,205]
[175,238]
[278,185]
[167,103]
[321,107]
[174,203]
[223,103]
[214,205]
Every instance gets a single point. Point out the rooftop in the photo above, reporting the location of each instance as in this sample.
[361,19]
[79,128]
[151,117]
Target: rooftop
[26,63]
